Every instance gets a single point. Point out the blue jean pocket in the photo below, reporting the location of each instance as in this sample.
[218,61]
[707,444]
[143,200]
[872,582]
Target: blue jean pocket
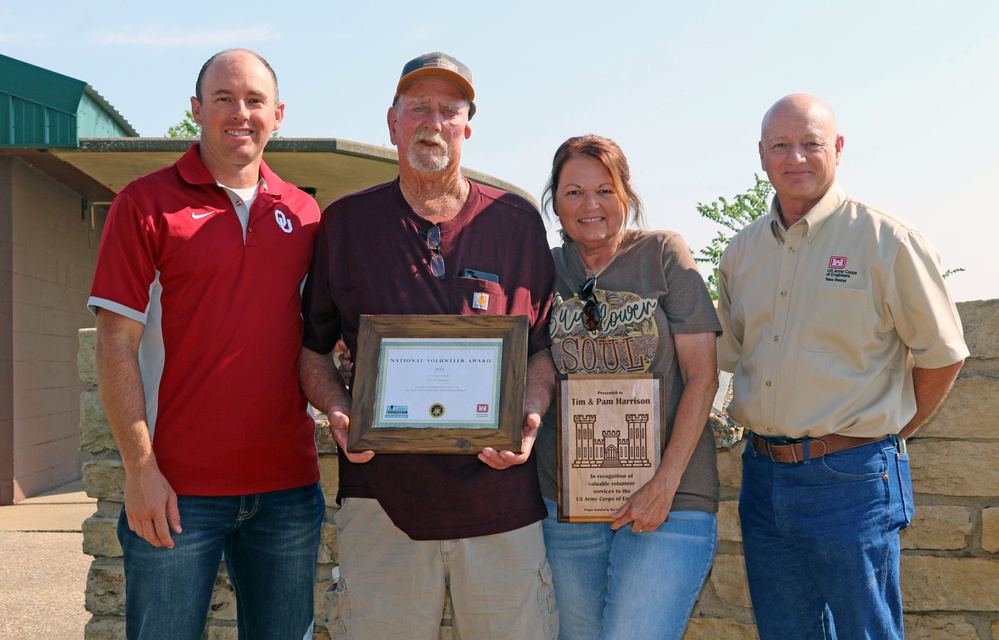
[859,464]
[904,480]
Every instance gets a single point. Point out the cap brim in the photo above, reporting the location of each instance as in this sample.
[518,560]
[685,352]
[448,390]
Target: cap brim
[437,72]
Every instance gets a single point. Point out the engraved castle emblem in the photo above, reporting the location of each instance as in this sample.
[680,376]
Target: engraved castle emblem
[610,450]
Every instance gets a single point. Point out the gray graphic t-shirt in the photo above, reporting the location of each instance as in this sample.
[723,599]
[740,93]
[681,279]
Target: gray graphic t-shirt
[650,291]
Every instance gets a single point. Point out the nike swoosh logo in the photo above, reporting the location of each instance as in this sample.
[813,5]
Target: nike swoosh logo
[199,216]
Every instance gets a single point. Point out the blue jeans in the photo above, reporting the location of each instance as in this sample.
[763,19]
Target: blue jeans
[821,542]
[619,584]
[270,542]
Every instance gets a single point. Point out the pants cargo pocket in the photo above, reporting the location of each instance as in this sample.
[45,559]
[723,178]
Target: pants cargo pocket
[338,610]
[546,601]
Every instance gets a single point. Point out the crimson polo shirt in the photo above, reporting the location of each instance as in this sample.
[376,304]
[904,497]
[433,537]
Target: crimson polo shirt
[219,352]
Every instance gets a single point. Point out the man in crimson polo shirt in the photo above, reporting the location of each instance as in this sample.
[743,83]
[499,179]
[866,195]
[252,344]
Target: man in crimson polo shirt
[433,242]
[198,333]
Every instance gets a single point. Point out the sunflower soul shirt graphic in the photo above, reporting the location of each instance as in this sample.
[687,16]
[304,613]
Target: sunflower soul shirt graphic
[625,341]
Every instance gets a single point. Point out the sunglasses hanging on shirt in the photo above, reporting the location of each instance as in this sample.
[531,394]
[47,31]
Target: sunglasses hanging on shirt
[591,310]
[433,238]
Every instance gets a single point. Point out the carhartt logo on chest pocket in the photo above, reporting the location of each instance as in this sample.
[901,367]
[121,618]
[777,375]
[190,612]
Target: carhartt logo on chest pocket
[282,221]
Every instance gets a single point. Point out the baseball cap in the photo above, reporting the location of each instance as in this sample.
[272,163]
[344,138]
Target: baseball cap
[438,65]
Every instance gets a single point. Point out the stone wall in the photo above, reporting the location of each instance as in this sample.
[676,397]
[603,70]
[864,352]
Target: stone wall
[950,562]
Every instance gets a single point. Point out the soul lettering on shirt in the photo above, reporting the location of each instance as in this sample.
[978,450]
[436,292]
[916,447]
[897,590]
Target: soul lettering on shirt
[602,354]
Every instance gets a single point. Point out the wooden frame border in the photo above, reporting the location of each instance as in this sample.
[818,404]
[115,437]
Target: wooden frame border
[365,435]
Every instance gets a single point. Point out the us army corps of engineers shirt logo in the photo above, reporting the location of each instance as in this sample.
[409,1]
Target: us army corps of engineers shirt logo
[837,271]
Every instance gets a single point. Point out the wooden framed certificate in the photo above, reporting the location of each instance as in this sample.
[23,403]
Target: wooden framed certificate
[609,442]
[439,384]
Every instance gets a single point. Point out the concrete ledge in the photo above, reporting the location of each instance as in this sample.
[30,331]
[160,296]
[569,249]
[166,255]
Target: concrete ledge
[61,510]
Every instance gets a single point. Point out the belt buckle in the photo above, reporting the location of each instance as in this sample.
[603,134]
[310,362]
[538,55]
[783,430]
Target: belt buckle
[781,442]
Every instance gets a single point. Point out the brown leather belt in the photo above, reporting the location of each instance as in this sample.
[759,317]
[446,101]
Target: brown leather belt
[788,451]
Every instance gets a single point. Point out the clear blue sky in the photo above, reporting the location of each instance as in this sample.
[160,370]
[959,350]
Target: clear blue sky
[681,86]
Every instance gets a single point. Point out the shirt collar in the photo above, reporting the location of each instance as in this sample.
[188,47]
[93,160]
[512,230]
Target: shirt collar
[194,171]
[814,219]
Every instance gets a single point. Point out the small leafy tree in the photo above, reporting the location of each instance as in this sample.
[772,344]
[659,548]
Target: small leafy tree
[734,215]
[186,128]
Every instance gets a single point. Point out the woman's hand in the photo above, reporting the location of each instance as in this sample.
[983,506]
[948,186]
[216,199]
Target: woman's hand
[647,508]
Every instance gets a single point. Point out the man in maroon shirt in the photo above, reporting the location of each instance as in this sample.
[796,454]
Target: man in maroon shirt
[409,524]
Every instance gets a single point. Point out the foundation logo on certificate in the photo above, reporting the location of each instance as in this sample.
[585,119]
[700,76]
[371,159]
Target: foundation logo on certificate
[396,411]
[436,410]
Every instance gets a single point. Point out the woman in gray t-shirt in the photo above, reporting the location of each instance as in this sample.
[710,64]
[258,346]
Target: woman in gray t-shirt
[630,301]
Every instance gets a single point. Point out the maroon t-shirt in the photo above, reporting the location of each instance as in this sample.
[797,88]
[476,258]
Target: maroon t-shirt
[370,258]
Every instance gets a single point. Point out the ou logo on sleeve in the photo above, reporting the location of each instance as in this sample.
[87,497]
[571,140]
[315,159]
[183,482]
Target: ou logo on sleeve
[282,221]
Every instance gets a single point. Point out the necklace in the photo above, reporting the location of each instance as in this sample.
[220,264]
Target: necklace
[596,271]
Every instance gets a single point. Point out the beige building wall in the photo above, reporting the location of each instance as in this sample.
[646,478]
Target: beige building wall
[52,262]
[6,338]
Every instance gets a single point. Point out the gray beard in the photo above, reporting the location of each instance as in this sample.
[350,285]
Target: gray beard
[429,164]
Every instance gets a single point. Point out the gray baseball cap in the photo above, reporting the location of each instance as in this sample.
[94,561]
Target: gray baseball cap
[438,65]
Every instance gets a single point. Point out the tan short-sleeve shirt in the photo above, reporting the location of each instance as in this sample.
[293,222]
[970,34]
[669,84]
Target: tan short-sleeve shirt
[824,321]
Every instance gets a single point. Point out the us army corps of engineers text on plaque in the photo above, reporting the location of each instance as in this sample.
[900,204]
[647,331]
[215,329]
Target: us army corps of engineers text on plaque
[609,442]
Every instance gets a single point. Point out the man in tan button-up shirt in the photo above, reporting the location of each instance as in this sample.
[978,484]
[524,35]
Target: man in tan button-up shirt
[842,339]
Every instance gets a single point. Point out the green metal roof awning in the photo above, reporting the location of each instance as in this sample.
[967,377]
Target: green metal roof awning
[41,108]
